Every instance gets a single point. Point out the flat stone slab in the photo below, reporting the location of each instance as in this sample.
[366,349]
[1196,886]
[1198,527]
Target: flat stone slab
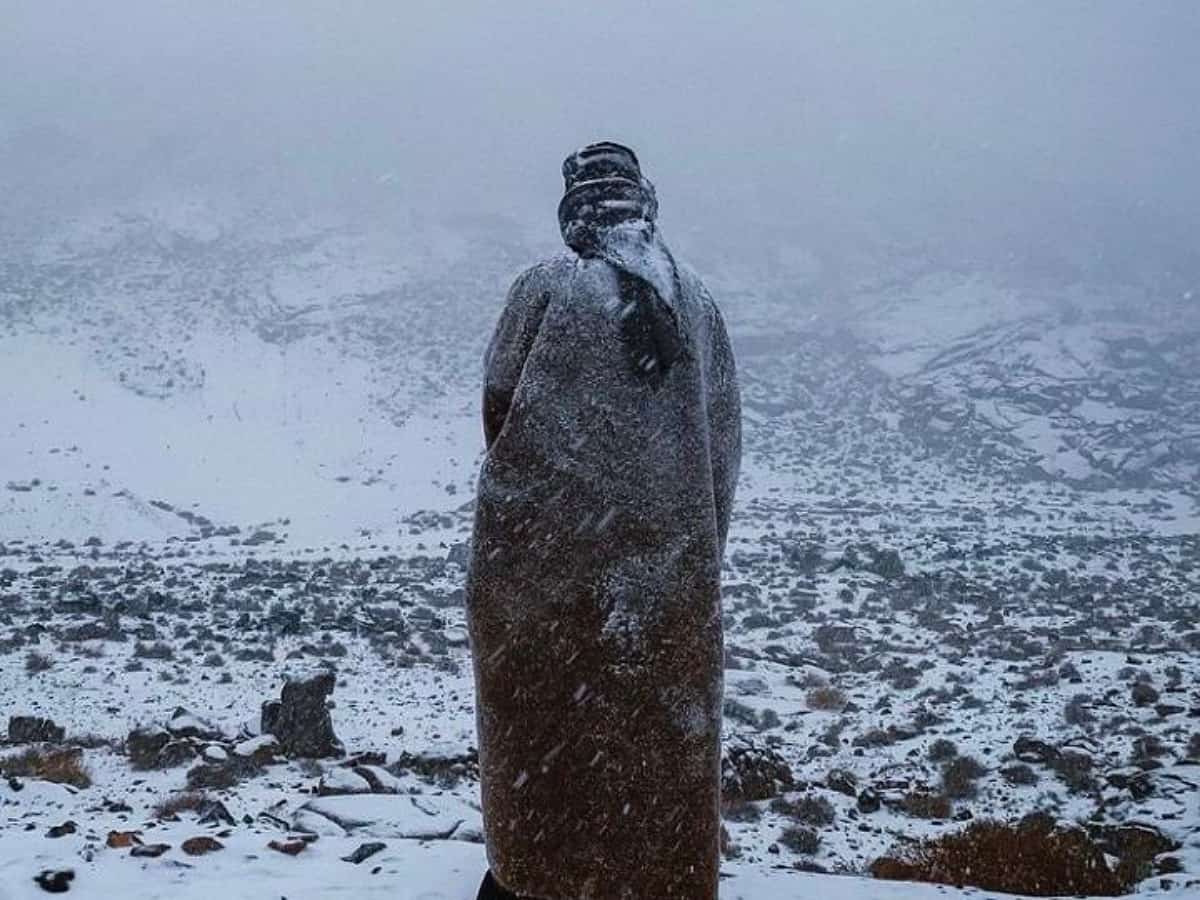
[398,815]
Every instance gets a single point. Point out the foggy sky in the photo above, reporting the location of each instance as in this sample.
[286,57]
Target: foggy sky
[991,126]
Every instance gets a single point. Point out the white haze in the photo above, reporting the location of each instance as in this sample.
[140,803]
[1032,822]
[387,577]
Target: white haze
[1027,135]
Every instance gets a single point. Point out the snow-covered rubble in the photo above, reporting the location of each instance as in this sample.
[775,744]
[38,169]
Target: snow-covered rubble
[963,580]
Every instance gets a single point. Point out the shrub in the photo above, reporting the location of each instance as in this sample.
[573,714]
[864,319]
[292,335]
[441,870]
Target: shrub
[1032,858]
[810,809]
[942,750]
[1074,769]
[769,719]
[61,766]
[36,663]
[741,811]
[737,711]
[826,698]
[800,840]
[1078,711]
[959,776]
[923,805]
[184,801]
[158,650]
[1020,774]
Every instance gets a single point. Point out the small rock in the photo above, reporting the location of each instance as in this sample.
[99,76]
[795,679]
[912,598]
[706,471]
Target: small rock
[67,827]
[214,812]
[198,846]
[149,851]
[120,839]
[55,882]
[364,852]
[291,847]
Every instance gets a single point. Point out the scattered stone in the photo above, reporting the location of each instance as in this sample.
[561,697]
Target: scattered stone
[198,846]
[53,882]
[149,851]
[300,720]
[118,840]
[67,827]
[34,730]
[291,847]
[364,852]
[214,812]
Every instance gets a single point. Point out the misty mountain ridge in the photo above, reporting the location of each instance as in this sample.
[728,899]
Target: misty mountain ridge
[312,341]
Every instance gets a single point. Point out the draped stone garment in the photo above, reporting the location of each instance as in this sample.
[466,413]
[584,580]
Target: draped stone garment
[593,595]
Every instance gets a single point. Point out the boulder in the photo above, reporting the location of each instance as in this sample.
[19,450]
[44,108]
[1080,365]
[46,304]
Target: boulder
[300,719]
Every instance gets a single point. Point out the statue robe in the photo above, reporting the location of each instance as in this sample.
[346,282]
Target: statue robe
[593,594]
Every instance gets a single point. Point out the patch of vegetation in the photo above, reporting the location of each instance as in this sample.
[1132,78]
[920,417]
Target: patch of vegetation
[923,805]
[1034,858]
[799,839]
[826,698]
[36,663]
[59,765]
[183,801]
[959,776]
[810,809]
[942,750]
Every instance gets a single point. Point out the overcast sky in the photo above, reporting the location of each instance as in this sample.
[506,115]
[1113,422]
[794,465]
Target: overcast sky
[822,118]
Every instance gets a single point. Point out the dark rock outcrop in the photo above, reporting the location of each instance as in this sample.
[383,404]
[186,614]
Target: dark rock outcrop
[300,719]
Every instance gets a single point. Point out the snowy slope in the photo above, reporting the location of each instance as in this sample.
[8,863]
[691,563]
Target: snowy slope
[254,444]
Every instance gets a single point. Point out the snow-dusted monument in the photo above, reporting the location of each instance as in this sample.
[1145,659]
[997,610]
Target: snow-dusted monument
[612,421]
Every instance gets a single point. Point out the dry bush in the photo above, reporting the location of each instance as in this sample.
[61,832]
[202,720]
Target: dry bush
[826,698]
[59,765]
[1034,858]
[741,811]
[36,663]
[184,801]
[799,839]
[959,776]
[927,806]
[942,750]
[811,809]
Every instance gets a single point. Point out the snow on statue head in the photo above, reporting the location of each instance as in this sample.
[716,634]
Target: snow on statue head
[604,189]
